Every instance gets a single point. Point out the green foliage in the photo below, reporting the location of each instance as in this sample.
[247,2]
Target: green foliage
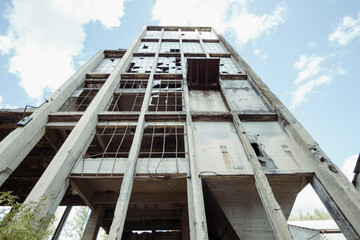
[75,228]
[19,223]
[318,214]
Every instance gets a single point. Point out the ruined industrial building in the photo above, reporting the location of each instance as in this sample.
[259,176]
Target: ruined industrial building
[176,135]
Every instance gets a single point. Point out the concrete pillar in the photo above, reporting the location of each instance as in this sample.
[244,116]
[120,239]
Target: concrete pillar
[93,224]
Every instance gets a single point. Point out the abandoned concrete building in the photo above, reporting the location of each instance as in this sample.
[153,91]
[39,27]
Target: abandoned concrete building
[176,136]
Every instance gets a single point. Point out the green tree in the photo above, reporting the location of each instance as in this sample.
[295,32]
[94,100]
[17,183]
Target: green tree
[318,214]
[76,226]
[18,223]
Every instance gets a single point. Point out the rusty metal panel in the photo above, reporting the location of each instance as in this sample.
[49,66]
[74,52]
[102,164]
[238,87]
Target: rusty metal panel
[203,73]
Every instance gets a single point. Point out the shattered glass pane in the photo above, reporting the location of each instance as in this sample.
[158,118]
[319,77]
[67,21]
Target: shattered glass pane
[169,65]
[140,65]
[107,65]
[167,47]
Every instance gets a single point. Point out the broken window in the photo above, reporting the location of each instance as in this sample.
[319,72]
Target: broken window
[167,95]
[140,65]
[208,35]
[79,100]
[189,35]
[227,65]
[163,141]
[214,47]
[94,82]
[126,102]
[170,47]
[152,34]
[171,35]
[148,47]
[169,65]
[111,140]
[107,65]
[192,47]
[133,84]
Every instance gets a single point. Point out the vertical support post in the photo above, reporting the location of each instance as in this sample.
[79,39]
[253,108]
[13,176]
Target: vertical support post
[196,185]
[122,203]
[93,224]
[18,144]
[272,208]
[340,219]
[54,178]
[62,222]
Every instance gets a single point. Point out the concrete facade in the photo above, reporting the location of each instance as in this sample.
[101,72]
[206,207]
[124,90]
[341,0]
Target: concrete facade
[127,137]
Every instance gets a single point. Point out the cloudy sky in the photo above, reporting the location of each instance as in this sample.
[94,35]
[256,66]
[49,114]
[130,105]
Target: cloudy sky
[306,51]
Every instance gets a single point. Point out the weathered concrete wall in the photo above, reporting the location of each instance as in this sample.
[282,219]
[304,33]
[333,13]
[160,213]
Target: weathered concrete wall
[243,96]
[211,156]
[283,151]
[201,100]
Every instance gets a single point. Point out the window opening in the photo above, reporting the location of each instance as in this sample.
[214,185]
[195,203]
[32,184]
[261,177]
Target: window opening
[129,95]
[170,47]
[192,47]
[140,65]
[169,65]
[94,83]
[227,66]
[146,47]
[107,65]
[79,100]
[152,34]
[171,35]
[112,140]
[208,35]
[214,47]
[167,96]
[189,35]
[163,141]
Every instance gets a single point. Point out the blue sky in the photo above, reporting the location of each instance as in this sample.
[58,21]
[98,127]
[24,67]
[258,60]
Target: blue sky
[307,52]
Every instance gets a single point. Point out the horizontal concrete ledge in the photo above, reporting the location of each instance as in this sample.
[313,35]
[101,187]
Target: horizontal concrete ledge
[275,172]
[117,166]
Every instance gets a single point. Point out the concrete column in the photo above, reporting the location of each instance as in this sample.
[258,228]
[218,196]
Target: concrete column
[93,224]
[16,146]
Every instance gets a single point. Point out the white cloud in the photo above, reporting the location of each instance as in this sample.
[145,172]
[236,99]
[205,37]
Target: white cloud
[45,35]
[229,15]
[311,44]
[312,75]
[261,55]
[346,31]
[309,66]
[248,26]
[301,92]
[348,166]
[1,99]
